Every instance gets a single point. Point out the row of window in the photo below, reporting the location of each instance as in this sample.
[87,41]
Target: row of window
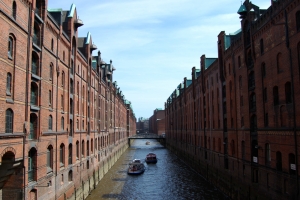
[254,151]
[32,155]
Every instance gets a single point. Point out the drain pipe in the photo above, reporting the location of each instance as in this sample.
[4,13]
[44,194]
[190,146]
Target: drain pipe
[26,97]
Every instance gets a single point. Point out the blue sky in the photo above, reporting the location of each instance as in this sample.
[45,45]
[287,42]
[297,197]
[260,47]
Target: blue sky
[155,43]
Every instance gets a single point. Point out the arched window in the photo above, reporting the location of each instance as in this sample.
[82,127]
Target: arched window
[34,94]
[33,126]
[50,158]
[87,148]
[10,45]
[52,44]
[50,98]
[36,35]
[92,147]
[32,158]
[50,122]
[9,121]
[62,78]
[298,20]
[8,84]
[51,72]
[71,106]
[62,102]
[14,10]
[62,123]
[267,154]
[71,128]
[77,149]
[63,55]
[72,67]
[70,176]
[275,95]
[82,149]
[278,161]
[35,64]
[288,92]
[71,86]
[62,155]
[70,154]
[33,194]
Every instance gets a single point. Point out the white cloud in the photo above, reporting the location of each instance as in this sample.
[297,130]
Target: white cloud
[155,43]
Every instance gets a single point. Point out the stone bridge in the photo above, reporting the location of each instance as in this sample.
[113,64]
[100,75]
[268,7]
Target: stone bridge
[146,136]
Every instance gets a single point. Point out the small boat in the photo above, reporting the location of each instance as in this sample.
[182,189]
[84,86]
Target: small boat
[147,143]
[151,158]
[136,167]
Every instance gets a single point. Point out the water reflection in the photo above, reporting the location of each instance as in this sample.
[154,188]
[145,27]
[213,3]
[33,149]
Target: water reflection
[169,178]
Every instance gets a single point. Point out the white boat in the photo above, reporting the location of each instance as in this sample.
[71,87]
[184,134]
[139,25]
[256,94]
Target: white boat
[136,167]
[147,143]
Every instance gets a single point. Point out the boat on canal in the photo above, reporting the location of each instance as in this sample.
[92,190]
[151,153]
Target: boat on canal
[136,167]
[151,158]
[147,143]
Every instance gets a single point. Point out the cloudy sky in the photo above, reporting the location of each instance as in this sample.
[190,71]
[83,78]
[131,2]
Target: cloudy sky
[155,43]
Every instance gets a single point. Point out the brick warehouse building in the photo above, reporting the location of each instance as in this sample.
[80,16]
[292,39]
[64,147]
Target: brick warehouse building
[237,119]
[64,120]
[157,122]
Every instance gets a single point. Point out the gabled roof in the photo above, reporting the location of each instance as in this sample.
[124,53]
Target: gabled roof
[228,39]
[209,61]
[188,82]
[72,10]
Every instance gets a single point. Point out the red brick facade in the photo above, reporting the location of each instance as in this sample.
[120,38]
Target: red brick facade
[63,116]
[237,119]
[157,122]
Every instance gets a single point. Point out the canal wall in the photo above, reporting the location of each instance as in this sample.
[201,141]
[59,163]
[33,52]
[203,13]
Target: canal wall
[235,183]
[80,190]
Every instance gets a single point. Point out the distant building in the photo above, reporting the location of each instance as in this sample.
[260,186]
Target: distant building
[157,122]
[142,125]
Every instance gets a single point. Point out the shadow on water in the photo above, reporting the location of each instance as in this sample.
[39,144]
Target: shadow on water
[170,178]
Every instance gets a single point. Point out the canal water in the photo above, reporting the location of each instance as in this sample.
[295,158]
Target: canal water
[169,178]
